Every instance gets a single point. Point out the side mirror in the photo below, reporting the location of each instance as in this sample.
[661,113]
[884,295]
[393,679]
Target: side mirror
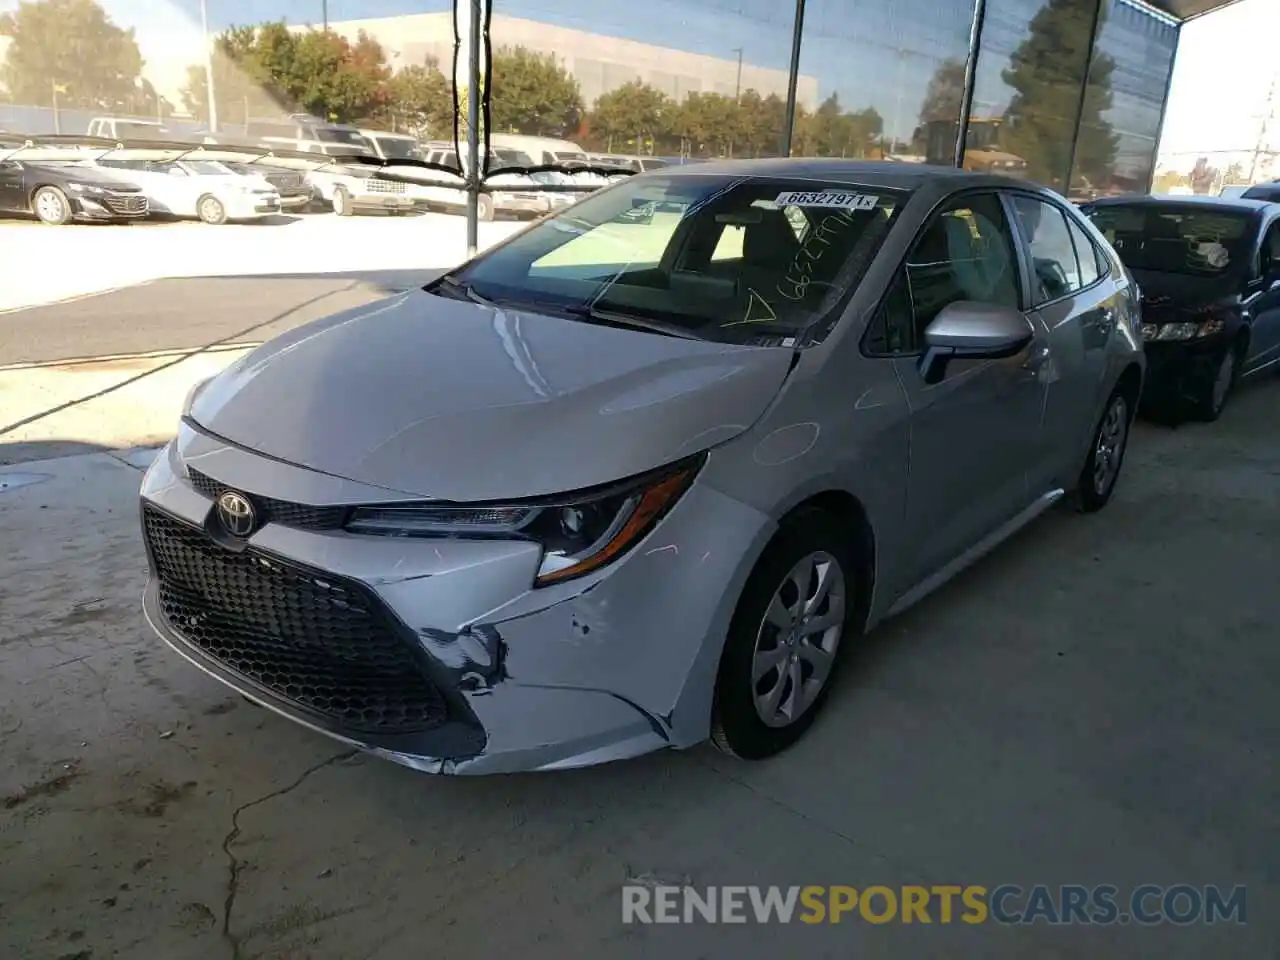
[967,330]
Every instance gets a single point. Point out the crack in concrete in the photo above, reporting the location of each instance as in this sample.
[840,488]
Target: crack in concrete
[236,865]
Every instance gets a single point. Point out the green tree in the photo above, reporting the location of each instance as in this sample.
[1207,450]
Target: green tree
[761,121]
[420,100]
[532,93]
[633,115]
[1045,73]
[269,69]
[72,45]
[830,131]
[711,123]
[944,96]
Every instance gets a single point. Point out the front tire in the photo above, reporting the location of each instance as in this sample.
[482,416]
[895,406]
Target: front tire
[1097,481]
[1216,393]
[796,614]
[342,205]
[52,206]
[210,210]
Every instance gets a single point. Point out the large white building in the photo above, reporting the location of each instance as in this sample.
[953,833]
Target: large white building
[599,63]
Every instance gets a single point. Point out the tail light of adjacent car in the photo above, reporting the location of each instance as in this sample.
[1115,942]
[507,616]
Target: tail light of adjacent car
[579,533]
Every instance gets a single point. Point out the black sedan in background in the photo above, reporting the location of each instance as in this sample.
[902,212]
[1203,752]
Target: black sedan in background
[1209,272]
[59,193]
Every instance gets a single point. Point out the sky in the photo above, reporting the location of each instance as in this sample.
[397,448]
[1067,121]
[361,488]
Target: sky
[1227,62]
[1225,66]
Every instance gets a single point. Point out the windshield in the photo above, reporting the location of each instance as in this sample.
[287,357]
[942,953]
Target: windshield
[511,158]
[140,131]
[339,135]
[394,148]
[1176,239]
[720,258]
[206,167]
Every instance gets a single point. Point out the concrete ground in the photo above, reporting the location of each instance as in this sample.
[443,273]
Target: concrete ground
[41,264]
[1095,703]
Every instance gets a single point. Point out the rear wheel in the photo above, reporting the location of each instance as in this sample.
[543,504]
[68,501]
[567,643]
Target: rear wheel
[484,207]
[211,210]
[52,206]
[1106,455]
[796,612]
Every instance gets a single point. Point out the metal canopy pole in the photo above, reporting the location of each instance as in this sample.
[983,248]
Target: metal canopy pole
[473,128]
[789,121]
[1084,95]
[970,79]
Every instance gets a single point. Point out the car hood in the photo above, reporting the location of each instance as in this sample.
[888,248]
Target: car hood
[461,401]
[88,174]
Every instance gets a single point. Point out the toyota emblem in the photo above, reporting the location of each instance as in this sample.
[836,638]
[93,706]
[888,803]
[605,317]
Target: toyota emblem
[236,514]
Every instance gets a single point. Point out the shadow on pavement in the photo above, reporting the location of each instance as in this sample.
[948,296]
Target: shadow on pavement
[190,313]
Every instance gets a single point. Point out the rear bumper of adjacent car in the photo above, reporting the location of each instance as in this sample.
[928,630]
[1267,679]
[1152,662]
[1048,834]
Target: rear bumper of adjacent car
[439,654]
[383,201]
[295,201]
[521,203]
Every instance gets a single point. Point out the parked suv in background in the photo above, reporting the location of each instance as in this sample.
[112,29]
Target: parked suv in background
[613,487]
[297,132]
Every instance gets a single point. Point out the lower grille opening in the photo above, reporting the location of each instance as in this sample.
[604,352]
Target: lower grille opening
[321,642]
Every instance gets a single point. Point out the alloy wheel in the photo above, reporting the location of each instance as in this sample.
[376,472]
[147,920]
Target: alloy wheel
[797,640]
[1109,448]
[50,207]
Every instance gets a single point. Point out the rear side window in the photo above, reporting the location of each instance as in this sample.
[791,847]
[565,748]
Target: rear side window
[1053,254]
[1086,254]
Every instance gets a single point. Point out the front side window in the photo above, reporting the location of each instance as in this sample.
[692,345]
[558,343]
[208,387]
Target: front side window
[965,253]
[720,258]
[1053,255]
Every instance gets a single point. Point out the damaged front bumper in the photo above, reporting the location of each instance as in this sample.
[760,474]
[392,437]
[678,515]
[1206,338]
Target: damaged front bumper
[439,654]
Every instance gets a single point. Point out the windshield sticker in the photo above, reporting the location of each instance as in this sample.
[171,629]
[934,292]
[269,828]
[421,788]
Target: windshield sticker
[1214,254]
[828,198]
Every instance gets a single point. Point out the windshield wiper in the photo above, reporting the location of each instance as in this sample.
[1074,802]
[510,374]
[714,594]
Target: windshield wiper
[626,321]
[457,289]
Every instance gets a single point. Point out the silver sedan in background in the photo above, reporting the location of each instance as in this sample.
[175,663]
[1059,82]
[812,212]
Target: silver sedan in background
[625,483]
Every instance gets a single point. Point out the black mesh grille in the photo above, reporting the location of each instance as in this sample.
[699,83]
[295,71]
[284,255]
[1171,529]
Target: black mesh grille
[319,641]
[271,510]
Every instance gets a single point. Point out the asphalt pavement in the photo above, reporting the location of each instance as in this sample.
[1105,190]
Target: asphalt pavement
[186,314]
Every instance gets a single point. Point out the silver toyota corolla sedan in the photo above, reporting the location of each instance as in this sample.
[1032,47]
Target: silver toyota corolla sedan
[642,474]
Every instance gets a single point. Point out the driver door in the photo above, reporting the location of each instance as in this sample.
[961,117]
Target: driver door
[13,194]
[974,434]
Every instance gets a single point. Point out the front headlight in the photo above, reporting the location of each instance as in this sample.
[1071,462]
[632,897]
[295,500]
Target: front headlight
[579,532]
[89,189]
[1183,330]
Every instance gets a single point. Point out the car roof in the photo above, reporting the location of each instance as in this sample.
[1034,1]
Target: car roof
[1221,204]
[872,173]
